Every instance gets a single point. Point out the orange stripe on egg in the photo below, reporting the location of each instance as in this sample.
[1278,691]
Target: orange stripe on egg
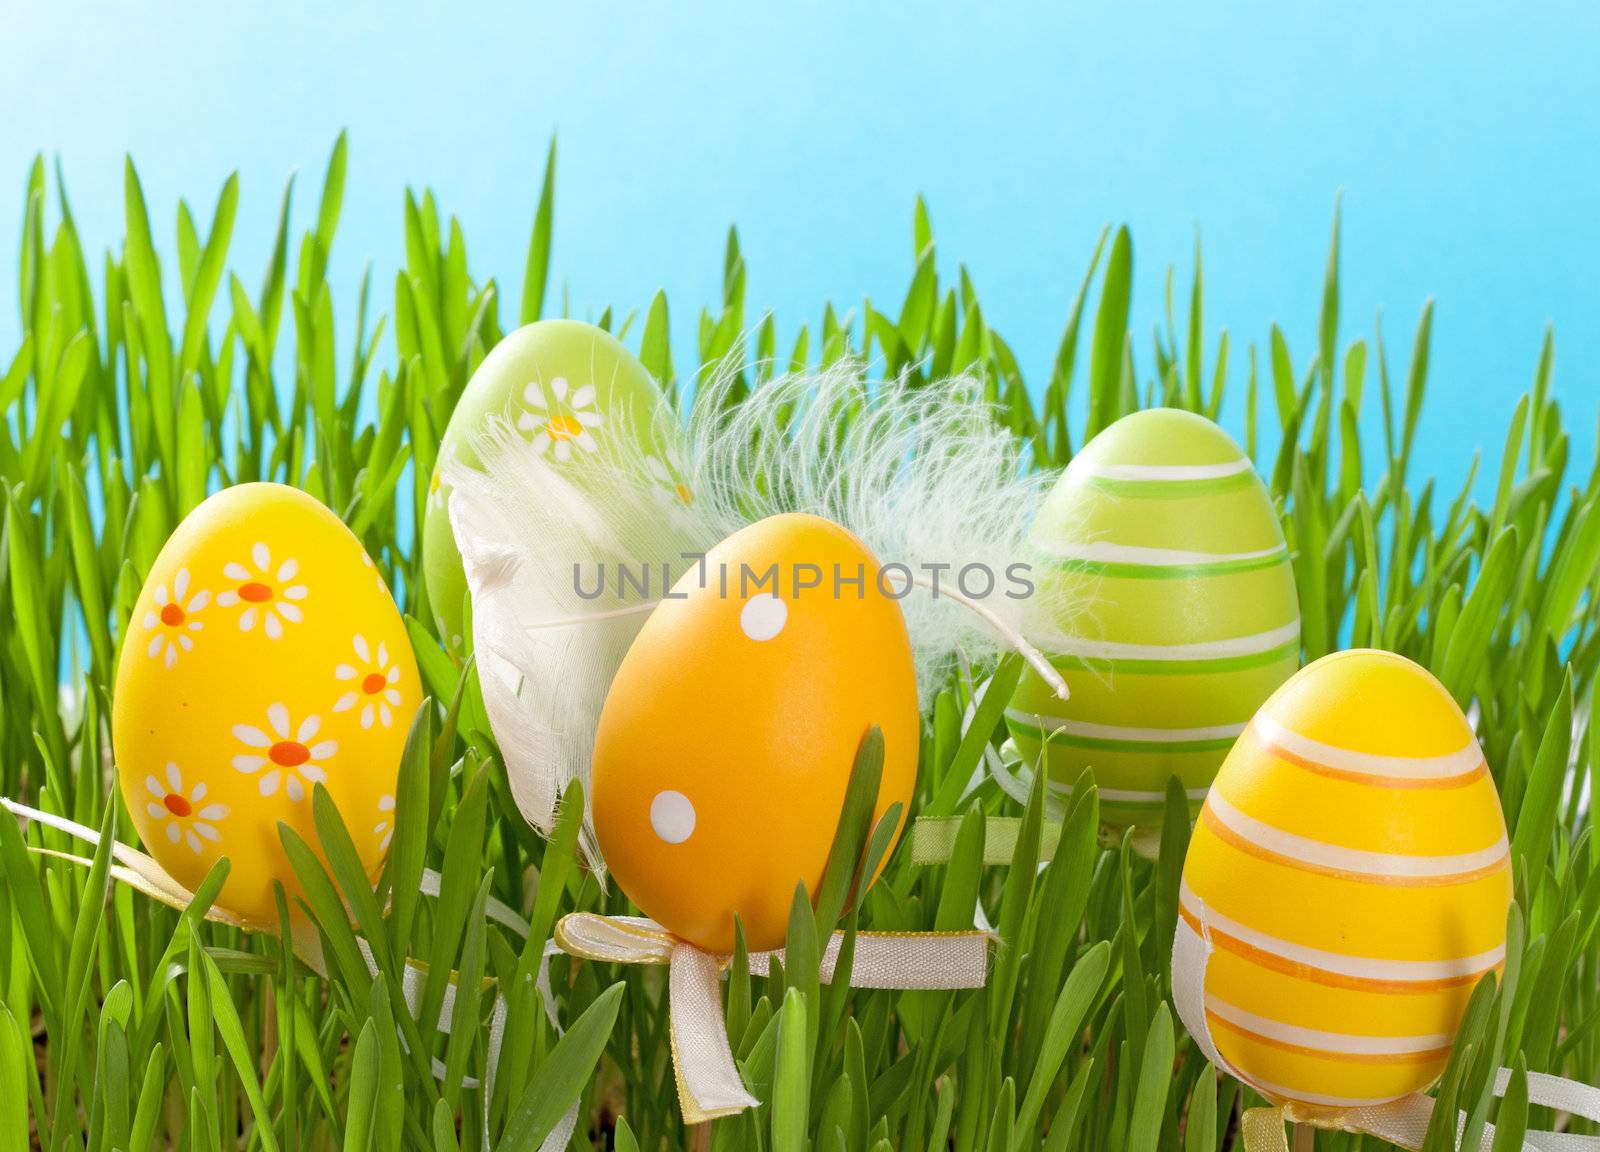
[1376,781]
[1345,925]
[1455,769]
[1353,813]
[1353,972]
[1423,1056]
[1276,846]
[1277,1093]
[1286,1073]
[1284,996]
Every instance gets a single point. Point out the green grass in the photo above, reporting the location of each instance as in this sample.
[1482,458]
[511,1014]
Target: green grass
[125,1024]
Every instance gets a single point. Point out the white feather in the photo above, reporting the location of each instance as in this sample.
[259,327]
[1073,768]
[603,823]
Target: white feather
[925,476]
[531,532]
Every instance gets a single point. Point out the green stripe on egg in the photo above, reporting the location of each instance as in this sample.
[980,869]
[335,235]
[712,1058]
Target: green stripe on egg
[1119,692]
[1224,614]
[1143,766]
[1177,488]
[1229,523]
[1176,613]
[1160,564]
[1101,665]
[1142,741]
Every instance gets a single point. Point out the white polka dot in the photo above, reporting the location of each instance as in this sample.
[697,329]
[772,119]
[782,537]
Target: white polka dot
[763,617]
[672,816]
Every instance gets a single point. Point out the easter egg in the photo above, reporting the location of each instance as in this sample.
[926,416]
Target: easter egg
[569,387]
[264,656]
[1160,556]
[727,737]
[1351,868]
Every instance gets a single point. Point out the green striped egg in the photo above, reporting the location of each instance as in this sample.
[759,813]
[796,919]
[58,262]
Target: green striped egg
[1178,612]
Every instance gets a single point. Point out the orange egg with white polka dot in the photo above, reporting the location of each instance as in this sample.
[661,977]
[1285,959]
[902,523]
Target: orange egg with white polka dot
[264,657]
[728,735]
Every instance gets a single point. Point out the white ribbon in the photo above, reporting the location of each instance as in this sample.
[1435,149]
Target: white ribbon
[709,1084]
[1403,1122]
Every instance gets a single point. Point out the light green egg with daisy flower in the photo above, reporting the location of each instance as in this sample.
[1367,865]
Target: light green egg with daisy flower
[573,392]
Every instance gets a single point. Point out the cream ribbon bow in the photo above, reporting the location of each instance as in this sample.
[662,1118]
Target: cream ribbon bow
[1403,1122]
[709,1085]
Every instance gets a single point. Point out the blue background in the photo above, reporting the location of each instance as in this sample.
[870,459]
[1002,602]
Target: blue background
[1464,138]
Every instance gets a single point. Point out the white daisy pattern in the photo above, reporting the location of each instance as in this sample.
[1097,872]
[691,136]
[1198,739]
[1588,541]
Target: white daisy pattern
[384,828]
[561,419]
[366,562]
[269,593]
[184,815]
[667,470]
[284,754]
[172,621]
[372,684]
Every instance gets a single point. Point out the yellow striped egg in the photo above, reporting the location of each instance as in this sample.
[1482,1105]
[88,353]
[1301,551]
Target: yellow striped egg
[1351,869]
[1179,611]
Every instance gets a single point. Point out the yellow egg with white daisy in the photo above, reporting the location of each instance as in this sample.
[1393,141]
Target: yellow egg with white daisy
[263,658]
